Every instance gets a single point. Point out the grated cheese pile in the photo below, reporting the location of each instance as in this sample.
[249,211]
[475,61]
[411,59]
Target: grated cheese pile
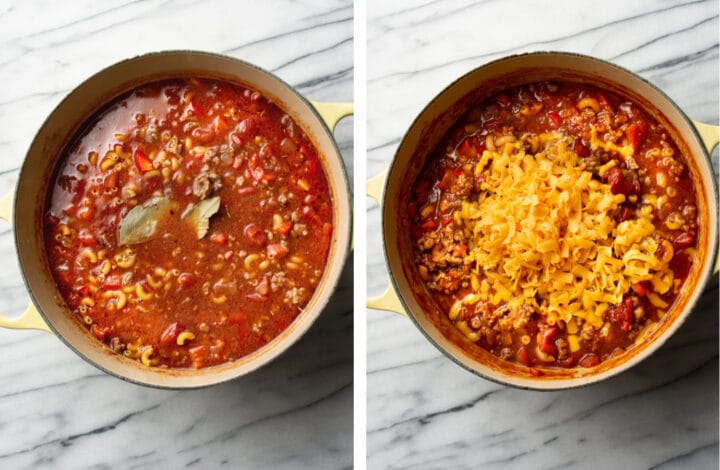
[542,232]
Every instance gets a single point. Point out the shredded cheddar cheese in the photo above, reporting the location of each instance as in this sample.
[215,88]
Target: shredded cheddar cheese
[543,233]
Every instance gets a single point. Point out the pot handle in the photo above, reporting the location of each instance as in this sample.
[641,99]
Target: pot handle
[30,319]
[388,300]
[374,186]
[710,136]
[331,113]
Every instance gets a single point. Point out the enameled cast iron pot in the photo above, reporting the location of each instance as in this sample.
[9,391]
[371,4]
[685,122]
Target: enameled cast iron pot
[407,294]
[47,310]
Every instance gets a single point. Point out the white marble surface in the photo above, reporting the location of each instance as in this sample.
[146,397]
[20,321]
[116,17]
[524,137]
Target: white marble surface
[424,411]
[56,411]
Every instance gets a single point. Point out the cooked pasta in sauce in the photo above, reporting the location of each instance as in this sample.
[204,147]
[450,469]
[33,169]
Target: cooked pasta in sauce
[555,224]
[189,223]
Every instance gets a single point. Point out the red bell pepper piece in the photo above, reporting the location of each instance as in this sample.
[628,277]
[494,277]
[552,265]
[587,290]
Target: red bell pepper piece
[555,117]
[636,134]
[622,314]
[169,336]
[589,360]
[640,288]
[276,250]
[580,149]
[142,162]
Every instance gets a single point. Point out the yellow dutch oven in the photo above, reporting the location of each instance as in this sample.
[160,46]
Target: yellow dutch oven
[47,310]
[391,189]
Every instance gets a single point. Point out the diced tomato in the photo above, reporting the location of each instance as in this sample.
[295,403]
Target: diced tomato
[622,314]
[447,179]
[169,336]
[112,282]
[198,354]
[581,149]
[276,250]
[110,180]
[636,134]
[218,238]
[459,250]
[523,356]
[465,147]
[502,99]
[640,288]
[197,108]
[589,360]
[602,99]
[86,238]
[255,234]
[85,213]
[99,332]
[82,290]
[555,117]
[548,341]
[567,362]
[186,279]
[142,162]
[220,125]
[285,227]
[429,225]
[237,319]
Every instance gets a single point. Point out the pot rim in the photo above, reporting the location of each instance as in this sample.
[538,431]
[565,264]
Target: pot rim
[555,385]
[341,255]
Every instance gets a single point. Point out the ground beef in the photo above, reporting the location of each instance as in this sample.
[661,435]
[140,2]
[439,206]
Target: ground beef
[173,146]
[563,348]
[206,183]
[446,269]
[674,167]
[595,160]
[278,280]
[295,295]
[462,185]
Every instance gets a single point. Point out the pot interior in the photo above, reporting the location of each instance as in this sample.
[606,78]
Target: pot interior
[47,149]
[429,128]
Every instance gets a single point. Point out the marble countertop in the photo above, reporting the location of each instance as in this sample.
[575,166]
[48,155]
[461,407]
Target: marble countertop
[423,411]
[56,411]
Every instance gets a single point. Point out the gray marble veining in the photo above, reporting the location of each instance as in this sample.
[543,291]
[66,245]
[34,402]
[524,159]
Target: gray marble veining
[56,411]
[424,411]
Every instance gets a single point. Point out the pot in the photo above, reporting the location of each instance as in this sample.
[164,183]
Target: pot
[407,294]
[47,310]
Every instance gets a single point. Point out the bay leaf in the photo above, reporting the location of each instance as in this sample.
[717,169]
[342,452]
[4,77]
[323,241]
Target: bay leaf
[141,223]
[199,215]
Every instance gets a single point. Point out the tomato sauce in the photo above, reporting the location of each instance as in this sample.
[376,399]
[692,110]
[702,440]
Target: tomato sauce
[636,158]
[189,223]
